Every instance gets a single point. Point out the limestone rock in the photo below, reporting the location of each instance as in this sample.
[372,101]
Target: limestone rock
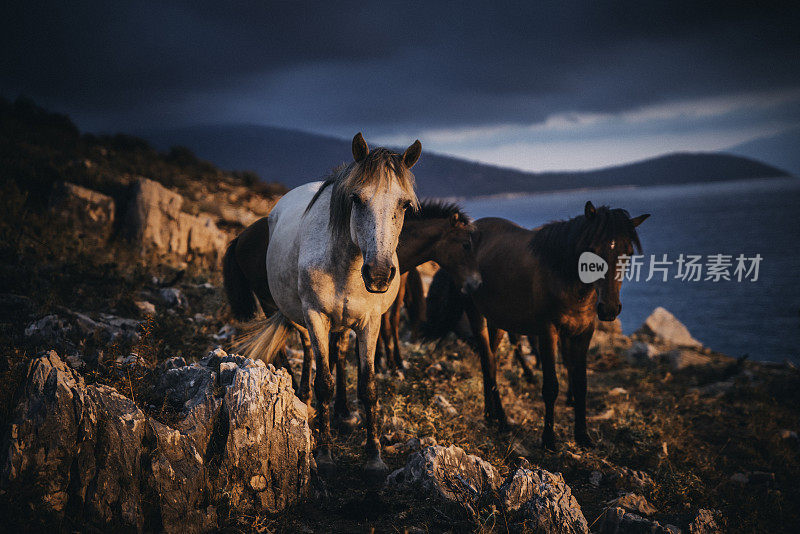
[662,325]
[89,454]
[540,501]
[267,457]
[178,462]
[155,222]
[448,476]
[633,502]
[86,210]
[618,521]
[117,459]
[52,427]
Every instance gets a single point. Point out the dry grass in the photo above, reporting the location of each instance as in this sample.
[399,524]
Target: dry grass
[706,439]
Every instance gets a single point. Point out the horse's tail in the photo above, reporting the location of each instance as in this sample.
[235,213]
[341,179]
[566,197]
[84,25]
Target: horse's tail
[237,288]
[414,299]
[265,337]
[444,307]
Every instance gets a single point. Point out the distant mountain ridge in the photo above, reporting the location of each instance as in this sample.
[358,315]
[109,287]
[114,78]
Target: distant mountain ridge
[294,157]
[781,150]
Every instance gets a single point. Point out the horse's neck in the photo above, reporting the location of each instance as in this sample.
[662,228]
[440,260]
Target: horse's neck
[418,242]
[576,296]
[568,291]
[341,254]
[338,252]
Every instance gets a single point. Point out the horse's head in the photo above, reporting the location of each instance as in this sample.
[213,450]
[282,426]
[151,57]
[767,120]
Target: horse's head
[373,198]
[456,255]
[610,233]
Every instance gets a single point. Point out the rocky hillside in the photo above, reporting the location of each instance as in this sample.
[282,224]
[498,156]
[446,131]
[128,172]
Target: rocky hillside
[122,408]
[170,203]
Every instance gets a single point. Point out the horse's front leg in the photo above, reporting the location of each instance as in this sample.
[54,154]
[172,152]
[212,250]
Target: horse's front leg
[384,339]
[548,345]
[343,418]
[367,393]
[493,407]
[318,330]
[574,351]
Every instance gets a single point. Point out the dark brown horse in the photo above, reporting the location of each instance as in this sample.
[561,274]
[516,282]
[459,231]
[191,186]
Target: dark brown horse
[437,231]
[531,286]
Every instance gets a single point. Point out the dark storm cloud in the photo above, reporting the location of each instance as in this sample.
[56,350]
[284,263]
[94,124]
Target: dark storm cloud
[331,65]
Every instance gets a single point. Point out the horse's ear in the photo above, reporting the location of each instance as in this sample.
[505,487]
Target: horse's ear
[589,210]
[360,148]
[411,155]
[639,220]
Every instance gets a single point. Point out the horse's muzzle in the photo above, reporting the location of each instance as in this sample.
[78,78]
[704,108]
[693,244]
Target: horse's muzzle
[471,284]
[377,279]
[608,312]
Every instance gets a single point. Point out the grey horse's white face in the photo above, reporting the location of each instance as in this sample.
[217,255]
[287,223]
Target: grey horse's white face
[376,220]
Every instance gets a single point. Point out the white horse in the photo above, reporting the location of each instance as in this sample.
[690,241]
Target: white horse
[331,266]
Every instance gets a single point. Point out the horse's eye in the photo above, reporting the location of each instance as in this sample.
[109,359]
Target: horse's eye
[356,199]
[405,205]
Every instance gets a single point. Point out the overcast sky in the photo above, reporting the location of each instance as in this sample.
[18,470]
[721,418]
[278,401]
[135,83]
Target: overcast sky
[533,85]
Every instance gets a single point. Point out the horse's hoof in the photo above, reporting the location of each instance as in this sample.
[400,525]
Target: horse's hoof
[346,423]
[549,443]
[505,425]
[584,441]
[325,464]
[376,468]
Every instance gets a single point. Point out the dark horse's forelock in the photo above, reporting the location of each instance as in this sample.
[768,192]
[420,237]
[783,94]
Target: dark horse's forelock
[438,209]
[561,243]
[377,168]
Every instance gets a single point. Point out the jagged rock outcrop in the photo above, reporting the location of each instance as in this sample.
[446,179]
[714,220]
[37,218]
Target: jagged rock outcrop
[87,453]
[448,476]
[93,212]
[534,500]
[617,520]
[540,501]
[155,222]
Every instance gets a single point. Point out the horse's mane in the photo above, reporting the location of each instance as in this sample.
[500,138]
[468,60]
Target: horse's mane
[437,209]
[377,167]
[559,244]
